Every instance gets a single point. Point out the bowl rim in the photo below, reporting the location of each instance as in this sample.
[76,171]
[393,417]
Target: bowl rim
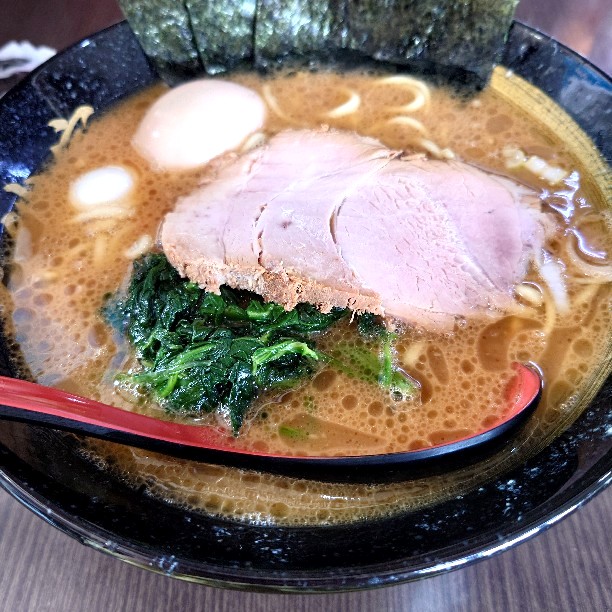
[224,577]
[580,492]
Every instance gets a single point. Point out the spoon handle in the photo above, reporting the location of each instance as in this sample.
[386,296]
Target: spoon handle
[33,403]
[36,404]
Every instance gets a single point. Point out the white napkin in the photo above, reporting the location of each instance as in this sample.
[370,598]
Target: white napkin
[16,57]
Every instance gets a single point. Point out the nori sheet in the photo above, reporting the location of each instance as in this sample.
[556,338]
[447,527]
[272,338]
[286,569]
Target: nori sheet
[450,36]
[223,32]
[164,31]
[458,40]
[298,28]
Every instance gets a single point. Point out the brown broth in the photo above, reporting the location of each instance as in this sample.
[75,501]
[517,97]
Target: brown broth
[63,269]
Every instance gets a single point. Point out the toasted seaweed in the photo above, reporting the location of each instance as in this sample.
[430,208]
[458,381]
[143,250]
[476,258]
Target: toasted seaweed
[457,40]
[223,32]
[298,28]
[449,36]
[164,31]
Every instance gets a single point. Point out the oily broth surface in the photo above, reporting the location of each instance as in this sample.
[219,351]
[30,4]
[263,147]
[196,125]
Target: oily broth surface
[62,289]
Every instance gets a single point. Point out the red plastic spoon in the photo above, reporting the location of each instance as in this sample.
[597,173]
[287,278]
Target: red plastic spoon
[39,405]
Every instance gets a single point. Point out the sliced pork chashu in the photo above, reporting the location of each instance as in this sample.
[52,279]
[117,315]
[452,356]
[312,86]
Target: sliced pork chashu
[336,219]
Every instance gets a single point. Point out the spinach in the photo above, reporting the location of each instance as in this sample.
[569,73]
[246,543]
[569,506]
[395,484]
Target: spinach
[200,352]
[374,364]
[293,433]
[372,328]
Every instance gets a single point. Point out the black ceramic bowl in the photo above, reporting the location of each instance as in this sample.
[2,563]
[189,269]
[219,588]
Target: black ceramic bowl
[43,471]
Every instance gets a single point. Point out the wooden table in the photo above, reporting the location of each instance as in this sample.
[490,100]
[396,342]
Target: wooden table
[567,568]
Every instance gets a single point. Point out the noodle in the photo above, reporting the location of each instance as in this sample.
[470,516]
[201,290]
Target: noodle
[68,126]
[347,108]
[417,88]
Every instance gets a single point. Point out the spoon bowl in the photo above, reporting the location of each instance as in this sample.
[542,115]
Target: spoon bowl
[36,404]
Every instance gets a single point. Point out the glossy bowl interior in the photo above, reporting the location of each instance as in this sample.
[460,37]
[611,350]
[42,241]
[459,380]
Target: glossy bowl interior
[43,470]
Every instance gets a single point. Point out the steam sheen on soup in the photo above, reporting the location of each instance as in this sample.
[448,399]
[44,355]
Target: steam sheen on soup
[69,256]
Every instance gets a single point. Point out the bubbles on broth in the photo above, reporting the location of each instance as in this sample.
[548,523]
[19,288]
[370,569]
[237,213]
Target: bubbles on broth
[462,375]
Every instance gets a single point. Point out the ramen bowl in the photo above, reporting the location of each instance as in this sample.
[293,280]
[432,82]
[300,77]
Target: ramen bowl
[49,473]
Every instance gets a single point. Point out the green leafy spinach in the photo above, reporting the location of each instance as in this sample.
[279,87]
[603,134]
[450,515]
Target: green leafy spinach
[200,352]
